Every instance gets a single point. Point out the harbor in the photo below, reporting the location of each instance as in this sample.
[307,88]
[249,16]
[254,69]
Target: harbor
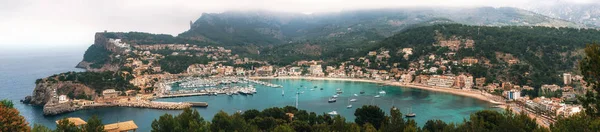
[209,86]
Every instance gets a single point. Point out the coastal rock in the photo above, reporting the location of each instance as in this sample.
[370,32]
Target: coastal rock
[41,94]
[101,48]
[54,109]
[45,89]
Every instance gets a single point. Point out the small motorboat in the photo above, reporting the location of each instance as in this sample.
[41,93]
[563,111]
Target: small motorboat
[349,106]
[381,92]
[362,92]
[331,100]
[321,88]
[339,92]
[353,100]
[355,94]
[333,113]
[335,95]
[377,96]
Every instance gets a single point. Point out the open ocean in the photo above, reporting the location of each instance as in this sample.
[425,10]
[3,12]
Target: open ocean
[18,73]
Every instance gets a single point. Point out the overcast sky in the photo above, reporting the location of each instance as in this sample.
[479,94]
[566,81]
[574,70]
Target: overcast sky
[60,23]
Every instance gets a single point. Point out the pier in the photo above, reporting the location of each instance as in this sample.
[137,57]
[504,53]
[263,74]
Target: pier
[263,83]
[198,104]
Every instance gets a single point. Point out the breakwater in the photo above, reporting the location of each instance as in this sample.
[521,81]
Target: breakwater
[60,108]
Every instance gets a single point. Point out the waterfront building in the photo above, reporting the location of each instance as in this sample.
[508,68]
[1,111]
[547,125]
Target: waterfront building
[441,81]
[75,120]
[282,71]
[406,78]
[240,71]
[464,81]
[316,70]
[110,93]
[199,69]
[264,70]
[567,78]
[63,99]
[83,102]
[121,127]
[295,71]
[513,94]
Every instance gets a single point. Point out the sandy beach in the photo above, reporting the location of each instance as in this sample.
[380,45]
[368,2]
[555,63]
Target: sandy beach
[467,93]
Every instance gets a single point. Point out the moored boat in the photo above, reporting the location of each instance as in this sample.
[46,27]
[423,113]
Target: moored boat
[331,100]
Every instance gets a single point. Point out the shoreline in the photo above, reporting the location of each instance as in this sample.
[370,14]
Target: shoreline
[465,93]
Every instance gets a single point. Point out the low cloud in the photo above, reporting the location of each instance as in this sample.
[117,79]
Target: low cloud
[35,23]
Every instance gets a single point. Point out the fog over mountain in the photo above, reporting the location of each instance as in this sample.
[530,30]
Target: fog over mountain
[40,23]
[585,13]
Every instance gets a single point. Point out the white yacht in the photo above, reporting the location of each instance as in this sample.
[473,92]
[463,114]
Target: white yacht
[333,113]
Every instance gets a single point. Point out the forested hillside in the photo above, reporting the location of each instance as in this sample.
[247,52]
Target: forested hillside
[268,28]
[541,53]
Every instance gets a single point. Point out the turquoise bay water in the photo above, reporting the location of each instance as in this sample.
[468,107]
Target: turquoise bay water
[18,74]
[426,104]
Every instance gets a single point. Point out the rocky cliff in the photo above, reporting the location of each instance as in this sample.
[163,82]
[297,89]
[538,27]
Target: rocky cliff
[48,90]
[99,56]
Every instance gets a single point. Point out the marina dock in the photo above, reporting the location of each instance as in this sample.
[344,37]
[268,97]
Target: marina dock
[198,104]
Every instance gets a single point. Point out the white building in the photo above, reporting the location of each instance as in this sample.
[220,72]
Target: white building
[295,71]
[406,78]
[441,81]
[316,70]
[63,99]
[567,78]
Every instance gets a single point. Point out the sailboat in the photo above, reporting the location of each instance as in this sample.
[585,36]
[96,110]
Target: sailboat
[381,91]
[410,113]
[349,105]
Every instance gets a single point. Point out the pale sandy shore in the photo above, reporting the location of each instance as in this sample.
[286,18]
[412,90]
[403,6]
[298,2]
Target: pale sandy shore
[466,93]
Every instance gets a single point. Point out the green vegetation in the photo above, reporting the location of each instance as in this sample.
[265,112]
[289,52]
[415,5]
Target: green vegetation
[97,55]
[179,64]
[98,81]
[543,52]
[148,38]
[276,119]
[10,119]
[590,68]
[94,124]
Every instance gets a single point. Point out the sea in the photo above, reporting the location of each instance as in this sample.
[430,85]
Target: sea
[19,70]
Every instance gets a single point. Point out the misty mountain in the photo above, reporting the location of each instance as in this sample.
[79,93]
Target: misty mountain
[271,28]
[588,14]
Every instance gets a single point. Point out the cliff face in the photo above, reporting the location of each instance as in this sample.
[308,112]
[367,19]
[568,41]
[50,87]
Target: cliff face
[46,92]
[41,94]
[97,57]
